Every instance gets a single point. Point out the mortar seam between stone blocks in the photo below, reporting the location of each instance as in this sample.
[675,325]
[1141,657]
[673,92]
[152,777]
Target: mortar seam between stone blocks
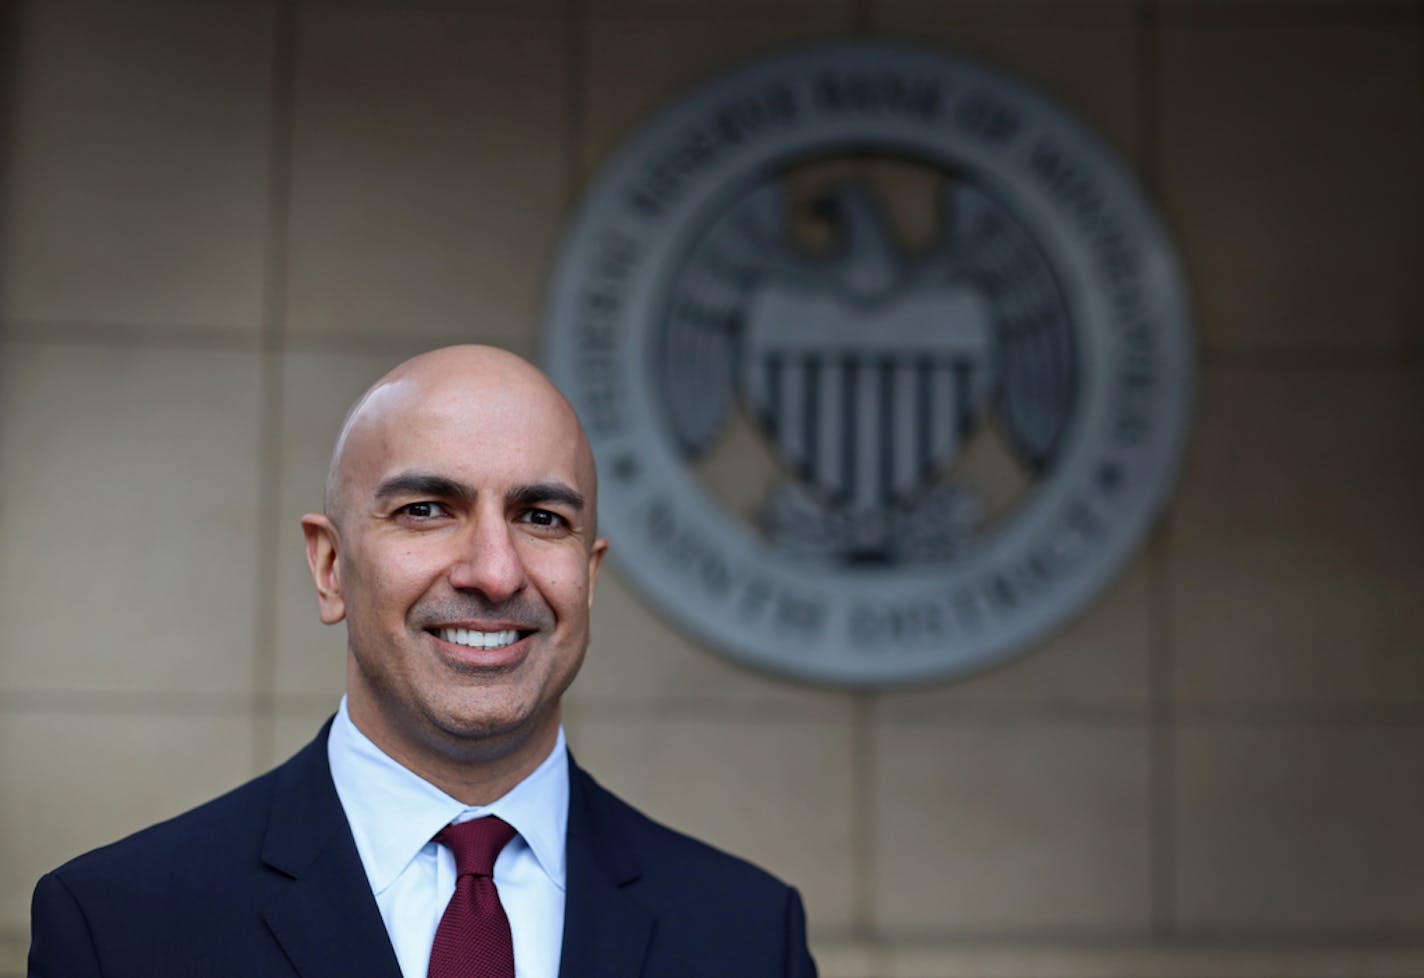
[279,169]
[142,336]
[864,798]
[576,86]
[1161,759]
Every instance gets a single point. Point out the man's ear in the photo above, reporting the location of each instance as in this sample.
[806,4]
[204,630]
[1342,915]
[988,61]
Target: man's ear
[323,557]
[595,561]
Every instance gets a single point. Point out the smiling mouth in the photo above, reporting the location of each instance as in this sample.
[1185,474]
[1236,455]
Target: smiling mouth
[472,639]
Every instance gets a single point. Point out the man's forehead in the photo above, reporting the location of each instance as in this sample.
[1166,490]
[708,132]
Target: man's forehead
[456,429]
[471,413]
[456,377]
[467,424]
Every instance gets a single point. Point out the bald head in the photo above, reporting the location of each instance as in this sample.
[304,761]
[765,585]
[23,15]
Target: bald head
[459,547]
[454,385]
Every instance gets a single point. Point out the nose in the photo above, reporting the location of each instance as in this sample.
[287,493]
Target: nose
[489,561]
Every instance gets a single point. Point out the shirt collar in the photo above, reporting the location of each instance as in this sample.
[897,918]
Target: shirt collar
[394,813]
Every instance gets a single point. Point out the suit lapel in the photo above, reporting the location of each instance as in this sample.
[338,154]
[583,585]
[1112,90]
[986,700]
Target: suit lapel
[326,920]
[606,931]
[323,914]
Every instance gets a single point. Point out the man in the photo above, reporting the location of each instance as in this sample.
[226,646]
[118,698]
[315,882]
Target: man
[436,825]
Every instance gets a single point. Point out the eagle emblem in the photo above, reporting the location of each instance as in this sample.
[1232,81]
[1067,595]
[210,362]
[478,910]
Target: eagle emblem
[869,366]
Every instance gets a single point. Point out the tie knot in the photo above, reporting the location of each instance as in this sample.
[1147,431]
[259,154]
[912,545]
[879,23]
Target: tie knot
[476,844]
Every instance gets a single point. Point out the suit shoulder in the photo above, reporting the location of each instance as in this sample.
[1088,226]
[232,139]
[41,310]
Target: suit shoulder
[666,851]
[229,824]
[224,834]
[716,913]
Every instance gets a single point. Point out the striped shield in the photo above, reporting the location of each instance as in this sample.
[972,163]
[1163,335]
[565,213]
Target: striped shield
[865,404]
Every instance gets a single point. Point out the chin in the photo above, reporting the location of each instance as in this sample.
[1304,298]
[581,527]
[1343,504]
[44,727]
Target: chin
[482,730]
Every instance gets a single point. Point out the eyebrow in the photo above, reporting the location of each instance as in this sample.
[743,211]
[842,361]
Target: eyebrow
[443,487]
[545,492]
[424,484]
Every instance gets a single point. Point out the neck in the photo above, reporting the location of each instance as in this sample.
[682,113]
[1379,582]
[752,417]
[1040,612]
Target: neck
[475,771]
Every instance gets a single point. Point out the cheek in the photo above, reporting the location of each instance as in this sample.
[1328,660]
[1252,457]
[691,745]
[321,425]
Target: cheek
[562,581]
[396,577]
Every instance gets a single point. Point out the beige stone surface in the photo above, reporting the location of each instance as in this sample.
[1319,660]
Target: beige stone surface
[79,779]
[639,62]
[638,657]
[135,172]
[777,792]
[1099,659]
[428,169]
[293,724]
[14,946]
[1296,538]
[1300,830]
[846,959]
[129,503]
[1084,56]
[1291,151]
[1016,828]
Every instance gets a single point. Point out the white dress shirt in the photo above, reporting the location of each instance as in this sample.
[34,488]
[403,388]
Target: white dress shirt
[395,813]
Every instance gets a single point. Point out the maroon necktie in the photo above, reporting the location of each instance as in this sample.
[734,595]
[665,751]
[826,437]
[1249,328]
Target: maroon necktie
[473,938]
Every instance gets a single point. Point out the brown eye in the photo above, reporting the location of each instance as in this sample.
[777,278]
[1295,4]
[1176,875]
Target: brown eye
[422,511]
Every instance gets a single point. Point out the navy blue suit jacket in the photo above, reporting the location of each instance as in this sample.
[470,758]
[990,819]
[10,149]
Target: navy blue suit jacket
[266,881]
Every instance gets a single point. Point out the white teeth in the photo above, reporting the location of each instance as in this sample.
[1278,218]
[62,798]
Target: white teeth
[479,640]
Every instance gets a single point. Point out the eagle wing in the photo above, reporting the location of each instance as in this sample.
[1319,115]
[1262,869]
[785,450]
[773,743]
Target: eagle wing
[696,360]
[1037,372]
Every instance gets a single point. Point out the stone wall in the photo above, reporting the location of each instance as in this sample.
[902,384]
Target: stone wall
[220,220]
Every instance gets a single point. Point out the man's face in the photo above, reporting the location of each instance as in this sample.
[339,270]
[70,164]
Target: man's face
[464,562]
